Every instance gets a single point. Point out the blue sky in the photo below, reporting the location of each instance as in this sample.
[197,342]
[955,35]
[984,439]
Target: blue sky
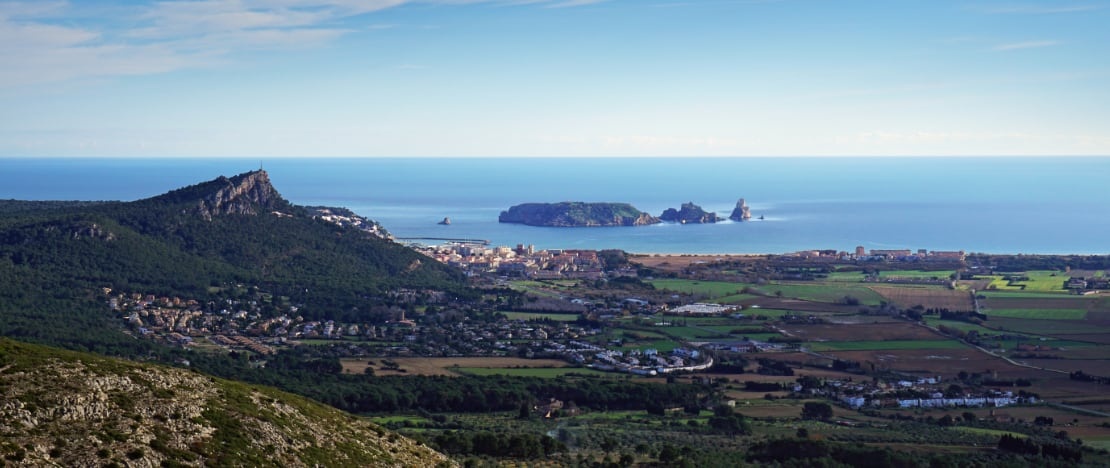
[553,78]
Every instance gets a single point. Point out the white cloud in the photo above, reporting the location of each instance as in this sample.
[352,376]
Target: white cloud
[38,44]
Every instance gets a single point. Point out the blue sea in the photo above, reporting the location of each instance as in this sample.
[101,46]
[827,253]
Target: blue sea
[1056,205]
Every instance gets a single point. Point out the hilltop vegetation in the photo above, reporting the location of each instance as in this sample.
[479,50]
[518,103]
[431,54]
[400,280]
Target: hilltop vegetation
[76,409]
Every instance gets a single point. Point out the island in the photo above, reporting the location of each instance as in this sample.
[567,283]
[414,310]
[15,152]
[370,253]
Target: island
[577,214]
[741,212]
[689,214]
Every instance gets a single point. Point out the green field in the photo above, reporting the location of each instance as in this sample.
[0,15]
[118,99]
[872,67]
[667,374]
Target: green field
[846,276]
[1046,327]
[821,292]
[916,274]
[713,289]
[734,298]
[1041,281]
[732,292]
[1039,314]
[663,346]
[545,372]
[539,316]
[883,345]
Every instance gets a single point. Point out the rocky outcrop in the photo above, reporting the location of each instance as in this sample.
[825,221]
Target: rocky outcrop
[245,194]
[741,212]
[59,408]
[576,214]
[689,213]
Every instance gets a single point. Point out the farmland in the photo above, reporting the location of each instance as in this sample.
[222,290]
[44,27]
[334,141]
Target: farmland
[540,316]
[1039,314]
[841,328]
[884,345]
[443,366]
[930,298]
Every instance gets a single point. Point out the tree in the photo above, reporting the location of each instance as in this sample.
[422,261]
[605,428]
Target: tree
[817,410]
[668,453]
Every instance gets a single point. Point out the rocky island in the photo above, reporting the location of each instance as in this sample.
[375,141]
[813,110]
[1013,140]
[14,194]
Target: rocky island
[741,212]
[576,214]
[689,214]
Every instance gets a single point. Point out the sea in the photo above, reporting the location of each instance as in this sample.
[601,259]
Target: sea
[1047,205]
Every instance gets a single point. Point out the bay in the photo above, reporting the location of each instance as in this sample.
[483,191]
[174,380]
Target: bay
[1052,205]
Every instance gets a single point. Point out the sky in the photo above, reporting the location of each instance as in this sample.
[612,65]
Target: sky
[579,78]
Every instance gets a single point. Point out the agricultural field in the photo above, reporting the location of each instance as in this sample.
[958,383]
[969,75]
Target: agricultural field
[710,289]
[1038,314]
[930,298]
[443,366]
[541,316]
[846,276]
[544,372]
[1046,327]
[916,274]
[819,292]
[883,345]
[898,331]
[1039,281]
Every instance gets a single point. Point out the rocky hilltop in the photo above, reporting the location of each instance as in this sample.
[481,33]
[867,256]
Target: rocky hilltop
[576,214]
[741,212]
[61,408]
[689,213]
[249,193]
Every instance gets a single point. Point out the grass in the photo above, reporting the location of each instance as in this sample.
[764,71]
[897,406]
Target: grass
[846,276]
[1039,314]
[916,274]
[822,292]
[547,373]
[1046,327]
[883,345]
[540,316]
[663,346]
[713,289]
[1040,281]
[735,298]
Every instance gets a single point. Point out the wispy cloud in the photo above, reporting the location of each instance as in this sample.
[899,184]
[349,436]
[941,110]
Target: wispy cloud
[40,44]
[1025,45]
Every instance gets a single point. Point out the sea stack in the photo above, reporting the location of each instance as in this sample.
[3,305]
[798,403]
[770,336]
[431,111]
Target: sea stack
[741,212]
[446,221]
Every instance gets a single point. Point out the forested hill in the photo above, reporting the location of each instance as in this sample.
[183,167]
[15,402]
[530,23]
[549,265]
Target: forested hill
[57,257]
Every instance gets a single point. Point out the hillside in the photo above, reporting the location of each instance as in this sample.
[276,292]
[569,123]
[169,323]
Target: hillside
[195,242]
[576,214]
[74,409]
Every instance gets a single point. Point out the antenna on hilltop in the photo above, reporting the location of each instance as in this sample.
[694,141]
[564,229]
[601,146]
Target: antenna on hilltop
[260,164]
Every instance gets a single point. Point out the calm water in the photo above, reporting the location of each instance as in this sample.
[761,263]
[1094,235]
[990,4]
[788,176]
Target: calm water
[1000,205]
